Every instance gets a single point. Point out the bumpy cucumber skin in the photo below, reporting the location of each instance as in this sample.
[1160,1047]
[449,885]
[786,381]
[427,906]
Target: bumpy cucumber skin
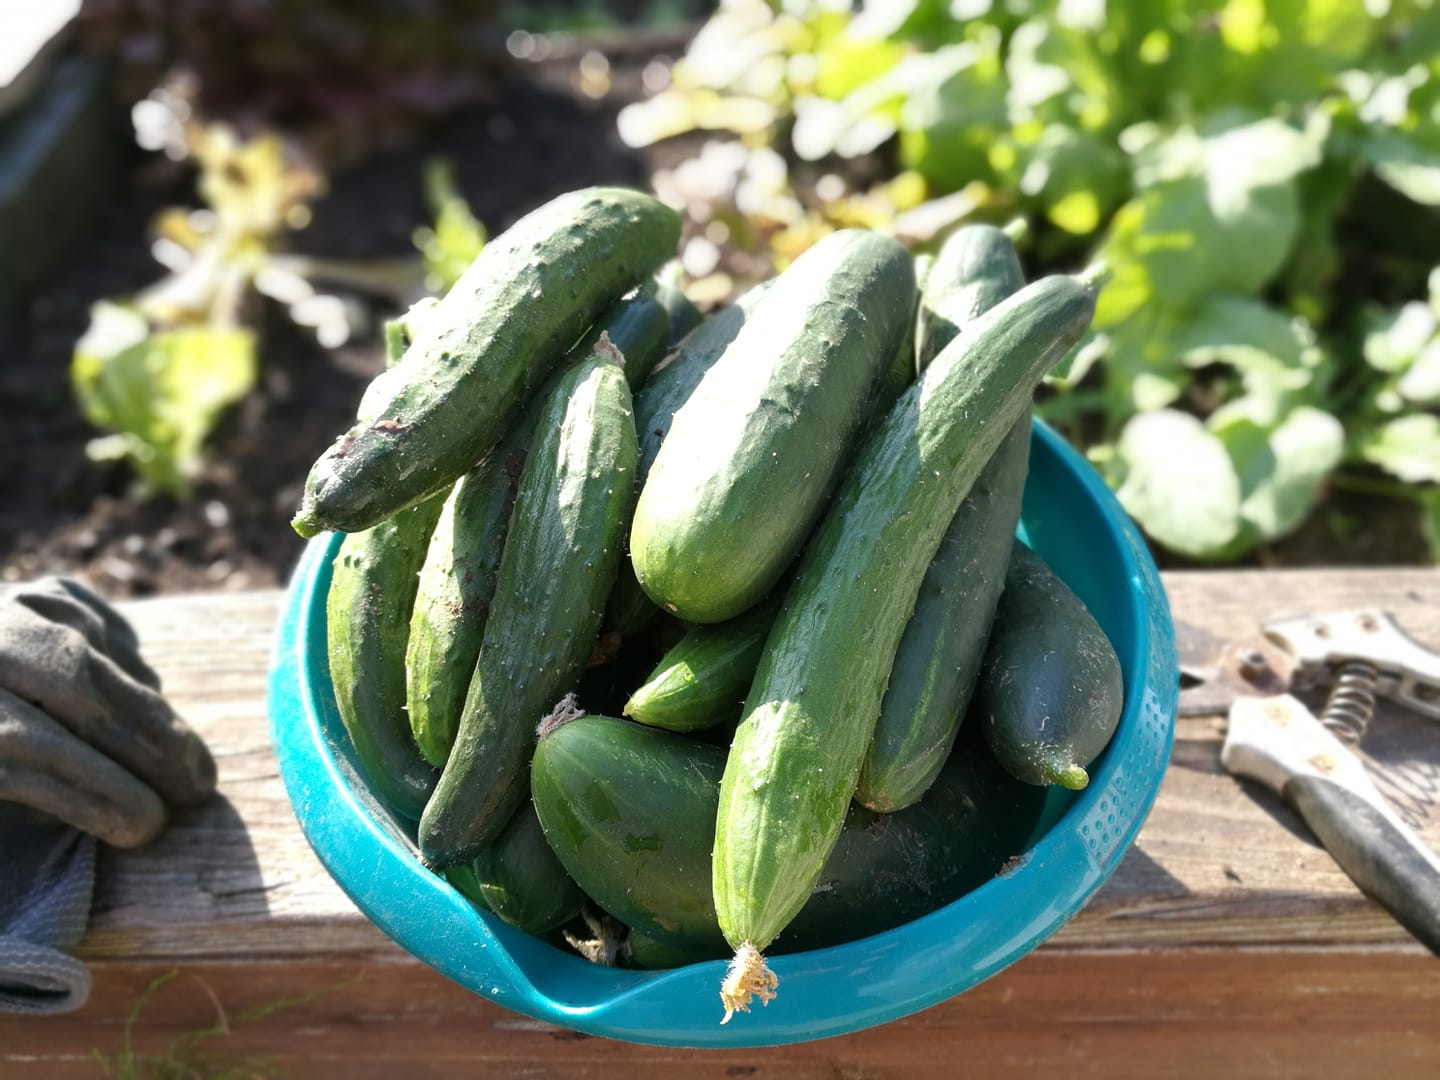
[938,661]
[680,371]
[812,708]
[522,881]
[703,679]
[669,387]
[528,296]
[975,269]
[561,553]
[631,812]
[367,613]
[457,582]
[939,656]
[458,579]
[753,455]
[1050,692]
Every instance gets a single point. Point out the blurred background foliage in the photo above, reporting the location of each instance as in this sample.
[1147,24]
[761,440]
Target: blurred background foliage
[1262,177]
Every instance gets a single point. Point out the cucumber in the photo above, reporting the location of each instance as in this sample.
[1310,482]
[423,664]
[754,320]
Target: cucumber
[812,708]
[367,624]
[679,373]
[684,315]
[703,679]
[670,386]
[561,553]
[479,353]
[1050,692]
[754,453]
[975,269]
[934,671]
[630,811]
[900,372]
[637,325]
[618,805]
[458,578]
[628,611]
[938,660]
[522,881]
[462,876]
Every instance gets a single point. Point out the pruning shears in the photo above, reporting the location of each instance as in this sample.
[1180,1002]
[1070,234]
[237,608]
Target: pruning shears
[1274,738]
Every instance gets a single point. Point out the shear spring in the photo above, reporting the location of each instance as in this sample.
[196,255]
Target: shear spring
[1352,701]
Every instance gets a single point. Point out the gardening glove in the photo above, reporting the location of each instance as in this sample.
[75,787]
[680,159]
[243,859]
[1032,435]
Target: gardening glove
[85,738]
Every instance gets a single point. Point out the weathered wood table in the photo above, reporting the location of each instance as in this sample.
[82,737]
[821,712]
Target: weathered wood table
[1228,943]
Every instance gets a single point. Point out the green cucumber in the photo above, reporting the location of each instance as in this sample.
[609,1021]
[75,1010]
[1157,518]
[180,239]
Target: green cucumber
[679,373]
[975,269]
[703,679]
[939,656]
[1050,692]
[484,348]
[684,315]
[812,708]
[628,611]
[522,881]
[367,619]
[899,373]
[367,614]
[670,386]
[462,877]
[561,553]
[938,660]
[637,325]
[630,811]
[458,578]
[753,455]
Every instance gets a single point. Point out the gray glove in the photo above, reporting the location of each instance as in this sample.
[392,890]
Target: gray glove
[85,738]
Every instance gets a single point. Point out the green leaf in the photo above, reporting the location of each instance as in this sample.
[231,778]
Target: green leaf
[1281,464]
[1178,483]
[1269,349]
[953,113]
[162,393]
[451,245]
[1397,337]
[1421,384]
[1408,446]
[1171,242]
[1409,168]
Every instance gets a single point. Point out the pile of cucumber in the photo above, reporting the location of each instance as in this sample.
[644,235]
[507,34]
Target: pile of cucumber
[779,539]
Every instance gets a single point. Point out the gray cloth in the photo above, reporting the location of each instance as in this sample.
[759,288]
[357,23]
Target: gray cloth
[88,749]
[45,890]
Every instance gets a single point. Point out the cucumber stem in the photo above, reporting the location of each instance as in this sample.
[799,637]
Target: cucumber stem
[1017,230]
[566,709]
[1096,275]
[747,977]
[1072,777]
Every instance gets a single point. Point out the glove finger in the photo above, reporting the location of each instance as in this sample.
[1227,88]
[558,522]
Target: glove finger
[53,667]
[71,603]
[43,765]
[177,763]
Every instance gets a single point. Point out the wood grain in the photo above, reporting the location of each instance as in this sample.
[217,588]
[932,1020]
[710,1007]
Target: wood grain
[1227,939]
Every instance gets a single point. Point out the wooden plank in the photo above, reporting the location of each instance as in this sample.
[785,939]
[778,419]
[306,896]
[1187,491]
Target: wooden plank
[1217,862]
[1077,1013]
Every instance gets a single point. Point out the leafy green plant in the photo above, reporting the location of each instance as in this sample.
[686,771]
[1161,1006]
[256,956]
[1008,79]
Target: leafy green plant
[160,369]
[1261,176]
